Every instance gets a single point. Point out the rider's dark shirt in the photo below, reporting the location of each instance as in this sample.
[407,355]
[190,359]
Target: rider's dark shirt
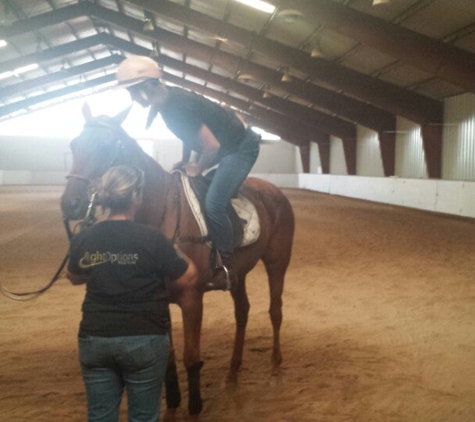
[184,112]
[127,265]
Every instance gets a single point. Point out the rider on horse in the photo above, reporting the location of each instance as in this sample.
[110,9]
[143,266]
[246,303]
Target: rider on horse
[215,133]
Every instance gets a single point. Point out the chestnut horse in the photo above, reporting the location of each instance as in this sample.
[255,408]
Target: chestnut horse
[102,144]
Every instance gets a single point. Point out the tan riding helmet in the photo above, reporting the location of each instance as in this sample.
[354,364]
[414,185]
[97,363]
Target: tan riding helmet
[136,69]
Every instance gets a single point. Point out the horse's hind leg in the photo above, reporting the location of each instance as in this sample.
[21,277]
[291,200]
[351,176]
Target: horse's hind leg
[241,312]
[275,312]
[276,271]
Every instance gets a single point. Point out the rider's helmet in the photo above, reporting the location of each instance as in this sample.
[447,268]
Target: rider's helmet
[137,69]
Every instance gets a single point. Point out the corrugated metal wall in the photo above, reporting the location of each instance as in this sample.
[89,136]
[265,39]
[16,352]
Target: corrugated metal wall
[368,153]
[458,155]
[410,158]
[315,162]
[337,157]
[459,138]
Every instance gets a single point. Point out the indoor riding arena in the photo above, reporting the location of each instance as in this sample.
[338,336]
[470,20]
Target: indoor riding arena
[379,315]
[364,112]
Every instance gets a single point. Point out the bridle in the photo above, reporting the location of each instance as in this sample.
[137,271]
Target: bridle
[88,220]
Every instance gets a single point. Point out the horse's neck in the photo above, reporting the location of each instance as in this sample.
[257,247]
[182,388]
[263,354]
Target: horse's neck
[155,193]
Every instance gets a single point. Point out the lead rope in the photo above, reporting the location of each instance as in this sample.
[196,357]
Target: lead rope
[88,220]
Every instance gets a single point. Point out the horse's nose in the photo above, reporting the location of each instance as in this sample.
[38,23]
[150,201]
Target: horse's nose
[71,207]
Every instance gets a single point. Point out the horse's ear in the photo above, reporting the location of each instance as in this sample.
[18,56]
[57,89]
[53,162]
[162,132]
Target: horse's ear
[86,112]
[121,116]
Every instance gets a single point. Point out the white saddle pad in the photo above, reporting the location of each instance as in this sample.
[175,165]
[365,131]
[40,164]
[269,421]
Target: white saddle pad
[244,208]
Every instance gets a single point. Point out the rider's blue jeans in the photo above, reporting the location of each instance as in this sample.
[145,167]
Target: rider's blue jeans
[137,363]
[231,173]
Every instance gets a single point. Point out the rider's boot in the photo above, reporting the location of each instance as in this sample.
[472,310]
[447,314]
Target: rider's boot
[225,276]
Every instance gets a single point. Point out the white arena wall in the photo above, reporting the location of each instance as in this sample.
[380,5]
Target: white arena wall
[448,197]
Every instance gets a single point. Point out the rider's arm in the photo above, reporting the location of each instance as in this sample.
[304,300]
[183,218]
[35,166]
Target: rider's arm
[185,158]
[209,150]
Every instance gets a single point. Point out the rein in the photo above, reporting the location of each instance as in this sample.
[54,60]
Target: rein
[87,221]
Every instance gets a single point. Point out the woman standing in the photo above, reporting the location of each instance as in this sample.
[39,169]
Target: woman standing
[124,332]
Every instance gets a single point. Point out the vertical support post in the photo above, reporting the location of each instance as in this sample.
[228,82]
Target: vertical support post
[349,149]
[432,143]
[387,146]
[305,157]
[324,152]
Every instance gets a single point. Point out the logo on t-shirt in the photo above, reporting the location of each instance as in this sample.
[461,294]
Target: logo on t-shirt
[98,258]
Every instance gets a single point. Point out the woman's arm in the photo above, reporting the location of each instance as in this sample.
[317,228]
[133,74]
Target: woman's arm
[189,278]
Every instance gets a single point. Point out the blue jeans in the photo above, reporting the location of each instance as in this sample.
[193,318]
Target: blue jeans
[137,363]
[231,173]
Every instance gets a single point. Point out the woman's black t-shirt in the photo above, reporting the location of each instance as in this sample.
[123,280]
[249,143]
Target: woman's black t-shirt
[127,265]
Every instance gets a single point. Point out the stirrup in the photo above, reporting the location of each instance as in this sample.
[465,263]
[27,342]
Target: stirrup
[228,279]
[224,285]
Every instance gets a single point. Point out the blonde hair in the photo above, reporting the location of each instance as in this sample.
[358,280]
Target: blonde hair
[119,186]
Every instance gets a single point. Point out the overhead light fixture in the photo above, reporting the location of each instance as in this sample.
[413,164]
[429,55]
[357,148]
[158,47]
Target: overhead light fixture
[3,43]
[290,15]
[148,25]
[265,91]
[245,77]
[259,5]
[377,2]
[316,52]
[286,77]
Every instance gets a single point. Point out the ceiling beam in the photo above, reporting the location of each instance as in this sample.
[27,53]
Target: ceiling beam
[38,99]
[54,52]
[325,122]
[447,62]
[32,84]
[319,120]
[37,22]
[396,100]
[276,122]
[392,98]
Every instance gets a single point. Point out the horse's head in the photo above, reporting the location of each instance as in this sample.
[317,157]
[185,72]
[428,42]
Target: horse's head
[101,144]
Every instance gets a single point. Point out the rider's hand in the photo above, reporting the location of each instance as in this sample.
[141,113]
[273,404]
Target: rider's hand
[192,170]
[178,166]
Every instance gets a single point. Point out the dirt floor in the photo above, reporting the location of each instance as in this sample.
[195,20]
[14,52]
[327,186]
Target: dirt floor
[379,320]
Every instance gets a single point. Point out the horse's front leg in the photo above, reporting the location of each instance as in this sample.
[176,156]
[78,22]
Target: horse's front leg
[191,303]
[241,312]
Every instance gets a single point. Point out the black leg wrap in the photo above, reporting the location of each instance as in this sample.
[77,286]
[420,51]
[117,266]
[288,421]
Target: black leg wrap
[172,388]
[195,403]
